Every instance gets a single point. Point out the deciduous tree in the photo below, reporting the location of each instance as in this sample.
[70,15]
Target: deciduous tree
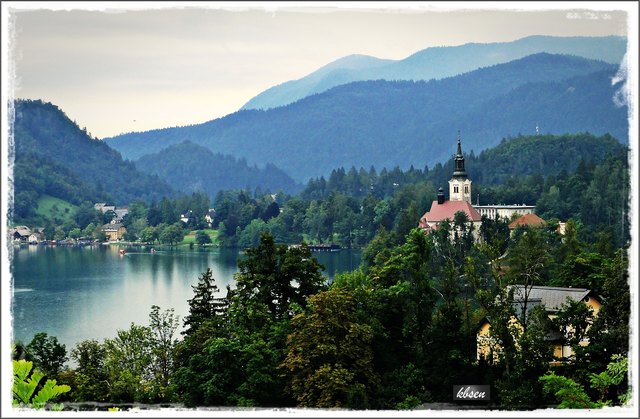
[329,358]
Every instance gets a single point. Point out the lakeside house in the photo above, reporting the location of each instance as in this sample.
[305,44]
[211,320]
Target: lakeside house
[188,217]
[20,233]
[117,213]
[103,207]
[209,216]
[114,231]
[121,213]
[36,237]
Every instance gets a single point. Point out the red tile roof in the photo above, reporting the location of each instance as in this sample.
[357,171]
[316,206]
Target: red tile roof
[528,219]
[448,209]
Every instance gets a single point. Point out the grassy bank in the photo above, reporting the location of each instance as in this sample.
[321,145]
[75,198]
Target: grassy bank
[191,238]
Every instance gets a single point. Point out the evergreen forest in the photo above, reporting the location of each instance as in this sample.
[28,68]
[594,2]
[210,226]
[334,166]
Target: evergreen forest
[401,330]
[397,333]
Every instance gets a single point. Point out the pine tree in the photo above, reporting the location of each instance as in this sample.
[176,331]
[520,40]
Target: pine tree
[204,304]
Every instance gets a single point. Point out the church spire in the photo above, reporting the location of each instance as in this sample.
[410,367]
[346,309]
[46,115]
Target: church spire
[460,184]
[459,171]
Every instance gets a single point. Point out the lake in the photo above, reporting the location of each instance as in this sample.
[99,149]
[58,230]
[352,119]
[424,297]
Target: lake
[78,293]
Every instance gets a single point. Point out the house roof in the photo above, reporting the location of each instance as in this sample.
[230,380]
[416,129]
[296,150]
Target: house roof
[112,227]
[551,297]
[23,230]
[528,219]
[447,210]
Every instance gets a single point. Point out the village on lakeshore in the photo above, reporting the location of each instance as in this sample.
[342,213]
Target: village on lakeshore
[460,197]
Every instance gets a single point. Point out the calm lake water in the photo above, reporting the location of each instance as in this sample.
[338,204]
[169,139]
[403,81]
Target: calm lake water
[78,293]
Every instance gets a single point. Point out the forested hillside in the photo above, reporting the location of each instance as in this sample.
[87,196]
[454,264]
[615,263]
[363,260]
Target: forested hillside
[53,156]
[547,155]
[189,167]
[405,123]
[579,177]
[436,63]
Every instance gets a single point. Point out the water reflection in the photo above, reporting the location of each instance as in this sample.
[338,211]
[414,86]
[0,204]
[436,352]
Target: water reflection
[77,293]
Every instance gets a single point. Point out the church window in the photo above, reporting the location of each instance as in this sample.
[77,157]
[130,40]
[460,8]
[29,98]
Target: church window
[466,189]
[455,189]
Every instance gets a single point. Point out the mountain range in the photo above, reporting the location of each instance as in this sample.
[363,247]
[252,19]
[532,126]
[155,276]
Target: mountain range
[54,157]
[436,63]
[389,123]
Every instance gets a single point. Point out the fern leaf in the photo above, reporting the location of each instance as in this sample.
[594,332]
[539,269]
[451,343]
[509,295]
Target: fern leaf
[49,391]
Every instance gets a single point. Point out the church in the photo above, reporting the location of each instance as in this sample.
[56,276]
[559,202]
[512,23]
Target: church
[460,200]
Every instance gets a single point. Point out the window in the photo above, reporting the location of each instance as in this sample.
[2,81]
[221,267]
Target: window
[466,189]
[455,189]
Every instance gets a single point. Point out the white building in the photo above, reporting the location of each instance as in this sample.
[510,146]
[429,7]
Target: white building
[504,211]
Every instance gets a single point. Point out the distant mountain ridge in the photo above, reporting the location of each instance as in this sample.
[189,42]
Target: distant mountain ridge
[405,123]
[436,63]
[189,167]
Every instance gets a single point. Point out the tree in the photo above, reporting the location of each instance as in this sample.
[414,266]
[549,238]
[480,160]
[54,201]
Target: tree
[572,395]
[149,235]
[204,304]
[128,363]
[59,233]
[75,233]
[163,325]
[494,234]
[47,354]
[529,261]
[573,320]
[109,215]
[100,235]
[276,276]
[135,227]
[329,357]
[202,238]
[89,230]
[272,210]
[49,230]
[91,374]
[609,333]
[526,358]
[172,235]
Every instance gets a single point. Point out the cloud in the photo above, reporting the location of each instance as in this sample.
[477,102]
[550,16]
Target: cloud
[622,96]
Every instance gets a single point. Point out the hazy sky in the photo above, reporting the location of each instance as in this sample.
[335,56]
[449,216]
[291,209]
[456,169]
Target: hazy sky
[134,69]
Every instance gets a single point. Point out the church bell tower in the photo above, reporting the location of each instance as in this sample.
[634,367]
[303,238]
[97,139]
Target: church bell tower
[459,185]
